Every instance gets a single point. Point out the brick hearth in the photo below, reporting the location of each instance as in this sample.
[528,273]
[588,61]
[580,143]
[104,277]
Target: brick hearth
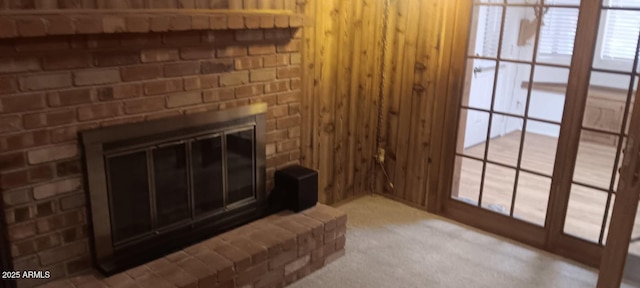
[271,252]
[52,87]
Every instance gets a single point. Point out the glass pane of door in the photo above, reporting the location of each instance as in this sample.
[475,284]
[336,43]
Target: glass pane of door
[206,164]
[605,121]
[171,184]
[512,106]
[129,191]
[240,153]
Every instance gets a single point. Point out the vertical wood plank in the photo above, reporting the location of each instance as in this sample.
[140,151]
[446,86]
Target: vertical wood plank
[352,101]
[319,56]
[308,103]
[327,94]
[395,75]
[341,108]
[385,129]
[423,67]
[360,93]
[370,138]
[434,25]
[405,89]
[373,78]
[317,81]
[419,111]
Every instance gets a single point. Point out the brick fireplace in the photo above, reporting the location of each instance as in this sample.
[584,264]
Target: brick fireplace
[55,83]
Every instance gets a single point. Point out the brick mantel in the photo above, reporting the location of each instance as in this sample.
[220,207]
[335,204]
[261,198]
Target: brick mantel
[83,22]
[54,86]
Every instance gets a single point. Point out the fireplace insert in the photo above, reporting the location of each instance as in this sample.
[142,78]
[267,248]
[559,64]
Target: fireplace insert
[158,186]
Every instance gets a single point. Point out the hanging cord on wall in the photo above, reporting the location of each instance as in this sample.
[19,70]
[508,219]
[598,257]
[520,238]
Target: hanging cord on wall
[379,157]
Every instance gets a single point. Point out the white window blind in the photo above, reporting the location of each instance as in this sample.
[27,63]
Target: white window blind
[621,31]
[558,31]
[493,19]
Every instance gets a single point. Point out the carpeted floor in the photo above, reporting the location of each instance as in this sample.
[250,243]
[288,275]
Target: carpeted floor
[392,245]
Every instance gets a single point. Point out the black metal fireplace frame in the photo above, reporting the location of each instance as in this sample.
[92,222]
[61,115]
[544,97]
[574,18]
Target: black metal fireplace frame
[110,257]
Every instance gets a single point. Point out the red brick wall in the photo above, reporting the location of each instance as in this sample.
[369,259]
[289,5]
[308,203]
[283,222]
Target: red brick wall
[51,88]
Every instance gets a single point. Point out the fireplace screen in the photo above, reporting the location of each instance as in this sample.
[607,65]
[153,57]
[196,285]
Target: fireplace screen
[155,181]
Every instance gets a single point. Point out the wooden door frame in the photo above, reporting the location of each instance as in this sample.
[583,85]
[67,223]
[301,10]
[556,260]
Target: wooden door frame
[473,35]
[626,204]
[451,76]
[454,67]
[570,133]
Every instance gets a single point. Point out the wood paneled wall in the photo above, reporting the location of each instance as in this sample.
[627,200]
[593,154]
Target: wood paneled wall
[343,50]
[416,94]
[340,94]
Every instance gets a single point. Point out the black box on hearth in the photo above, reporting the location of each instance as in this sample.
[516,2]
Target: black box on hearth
[298,187]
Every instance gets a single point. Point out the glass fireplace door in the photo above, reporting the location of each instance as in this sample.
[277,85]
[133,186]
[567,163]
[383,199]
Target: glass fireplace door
[162,186]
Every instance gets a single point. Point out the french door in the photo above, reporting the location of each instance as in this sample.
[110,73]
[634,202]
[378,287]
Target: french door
[543,120]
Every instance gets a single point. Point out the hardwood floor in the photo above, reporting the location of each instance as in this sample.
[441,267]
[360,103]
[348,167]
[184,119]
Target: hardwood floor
[586,205]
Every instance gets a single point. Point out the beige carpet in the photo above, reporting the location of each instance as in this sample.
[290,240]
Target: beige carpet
[392,245]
